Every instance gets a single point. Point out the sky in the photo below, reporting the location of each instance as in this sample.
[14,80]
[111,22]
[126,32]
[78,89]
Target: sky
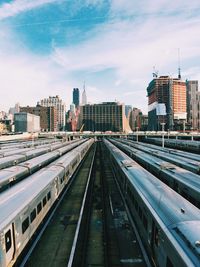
[49,47]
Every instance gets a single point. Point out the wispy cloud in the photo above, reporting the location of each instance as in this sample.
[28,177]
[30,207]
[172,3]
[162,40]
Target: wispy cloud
[116,56]
[19,6]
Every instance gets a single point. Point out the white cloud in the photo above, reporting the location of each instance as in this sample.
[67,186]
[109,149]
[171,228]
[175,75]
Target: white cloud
[19,6]
[130,47]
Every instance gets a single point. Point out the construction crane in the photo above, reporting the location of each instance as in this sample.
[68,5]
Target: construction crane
[81,129]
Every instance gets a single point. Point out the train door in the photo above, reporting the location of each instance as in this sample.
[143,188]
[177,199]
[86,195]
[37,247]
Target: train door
[9,236]
[56,186]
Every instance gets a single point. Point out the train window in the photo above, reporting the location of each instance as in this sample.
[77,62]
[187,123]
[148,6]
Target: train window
[44,201]
[25,225]
[39,208]
[145,221]
[33,215]
[48,196]
[169,263]
[8,240]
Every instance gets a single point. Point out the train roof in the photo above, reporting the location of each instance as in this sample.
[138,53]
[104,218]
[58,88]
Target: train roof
[177,214]
[184,176]
[15,199]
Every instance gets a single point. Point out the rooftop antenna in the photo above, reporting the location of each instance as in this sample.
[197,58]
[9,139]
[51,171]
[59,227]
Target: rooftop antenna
[179,65]
[83,85]
[155,72]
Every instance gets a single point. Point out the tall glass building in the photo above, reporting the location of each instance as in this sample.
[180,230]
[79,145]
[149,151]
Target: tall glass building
[76,97]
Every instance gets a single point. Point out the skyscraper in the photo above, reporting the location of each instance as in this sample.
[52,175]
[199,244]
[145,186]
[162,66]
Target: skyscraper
[55,101]
[76,97]
[193,112]
[107,116]
[166,103]
[84,96]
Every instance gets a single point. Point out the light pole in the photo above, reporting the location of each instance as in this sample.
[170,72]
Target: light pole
[183,126]
[137,134]
[192,134]
[163,139]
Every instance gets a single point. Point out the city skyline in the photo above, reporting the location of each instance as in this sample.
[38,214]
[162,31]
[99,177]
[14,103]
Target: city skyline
[48,47]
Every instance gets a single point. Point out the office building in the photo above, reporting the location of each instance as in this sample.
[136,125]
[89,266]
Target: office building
[84,96]
[76,97]
[26,122]
[193,105]
[166,103]
[128,109]
[48,116]
[137,120]
[108,116]
[55,101]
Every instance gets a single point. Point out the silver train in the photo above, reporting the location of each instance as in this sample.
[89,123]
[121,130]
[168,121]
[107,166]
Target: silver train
[24,206]
[14,174]
[6,145]
[184,182]
[187,145]
[170,151]
[179,160]
[169,225]
[16,156]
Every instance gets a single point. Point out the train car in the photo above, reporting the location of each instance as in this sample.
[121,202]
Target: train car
[187,145]
[24,206]
[11,161]
[184,182]
[171,151]
[186,163]
[14,174]
[169,225]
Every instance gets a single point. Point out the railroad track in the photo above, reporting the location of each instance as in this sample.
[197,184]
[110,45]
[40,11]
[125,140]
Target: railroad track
[106,236]
[90,225]
[53,244]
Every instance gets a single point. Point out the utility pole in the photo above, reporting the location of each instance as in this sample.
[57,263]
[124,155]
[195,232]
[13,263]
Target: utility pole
[163,138]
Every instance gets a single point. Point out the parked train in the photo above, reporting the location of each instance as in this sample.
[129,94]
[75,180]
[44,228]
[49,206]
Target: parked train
[22,155]
[169,225]
[14,174]
[184,182]
[24,206]
[187,145]
[6,146]
[172,151]
[183,162]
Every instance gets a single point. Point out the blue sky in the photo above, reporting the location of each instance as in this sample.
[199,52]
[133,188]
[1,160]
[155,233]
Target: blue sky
[47,47]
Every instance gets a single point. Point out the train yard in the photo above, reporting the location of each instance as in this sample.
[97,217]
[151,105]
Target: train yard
[109,202]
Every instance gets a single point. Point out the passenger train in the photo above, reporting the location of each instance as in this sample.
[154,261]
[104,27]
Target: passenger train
[169,225]
[24,206]
[184,182]
[19,155]
[187,145]
[14,174]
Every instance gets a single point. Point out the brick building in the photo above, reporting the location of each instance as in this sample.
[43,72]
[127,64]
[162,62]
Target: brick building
[48,116]
[166,103]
